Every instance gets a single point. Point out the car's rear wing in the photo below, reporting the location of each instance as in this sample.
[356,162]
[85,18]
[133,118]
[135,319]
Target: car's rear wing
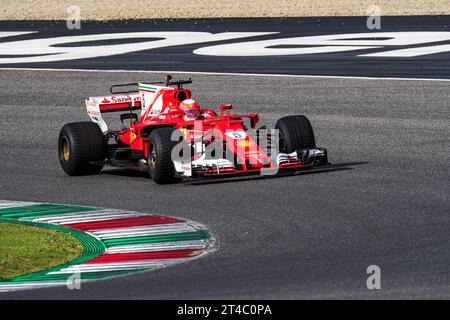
[113,103]
[129,97]
[95,106]
[140,99]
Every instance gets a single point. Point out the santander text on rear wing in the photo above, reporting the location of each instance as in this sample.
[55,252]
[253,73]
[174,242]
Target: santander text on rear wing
[140,99]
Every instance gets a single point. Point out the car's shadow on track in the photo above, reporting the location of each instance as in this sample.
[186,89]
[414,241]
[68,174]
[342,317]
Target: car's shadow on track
[126,172]
[122,172]
[322,169]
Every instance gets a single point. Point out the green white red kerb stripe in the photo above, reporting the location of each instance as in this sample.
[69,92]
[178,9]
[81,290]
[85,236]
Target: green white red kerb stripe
[115,242]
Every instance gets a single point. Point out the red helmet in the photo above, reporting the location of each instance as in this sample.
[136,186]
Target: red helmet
[191,108]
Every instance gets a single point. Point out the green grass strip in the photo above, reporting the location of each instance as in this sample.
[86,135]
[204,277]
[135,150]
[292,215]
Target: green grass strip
[92,248]
[25,249]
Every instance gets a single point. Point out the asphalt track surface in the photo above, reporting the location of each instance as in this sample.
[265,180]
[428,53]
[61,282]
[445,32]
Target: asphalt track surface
[303,236]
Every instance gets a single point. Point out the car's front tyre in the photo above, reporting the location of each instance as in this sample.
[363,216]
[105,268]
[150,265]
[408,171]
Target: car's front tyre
[159,160]
[296,133]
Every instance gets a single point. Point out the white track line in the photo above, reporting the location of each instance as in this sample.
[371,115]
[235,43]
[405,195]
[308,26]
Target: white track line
[69,216]
[91,217]
[98,267]
[168,246]
[28,285]
[11,204]
[228,74]
[143,231]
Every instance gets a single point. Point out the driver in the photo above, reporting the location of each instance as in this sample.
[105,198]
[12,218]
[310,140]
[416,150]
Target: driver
[191,109]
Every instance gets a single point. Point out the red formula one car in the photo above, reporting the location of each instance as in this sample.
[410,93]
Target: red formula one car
[163,130]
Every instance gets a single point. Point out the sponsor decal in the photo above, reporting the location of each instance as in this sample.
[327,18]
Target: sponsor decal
[237,135]
[93,113]
[157,106]
[132,137]
[115,99]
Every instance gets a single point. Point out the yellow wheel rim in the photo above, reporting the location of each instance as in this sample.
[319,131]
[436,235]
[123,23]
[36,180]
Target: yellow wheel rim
[65,149]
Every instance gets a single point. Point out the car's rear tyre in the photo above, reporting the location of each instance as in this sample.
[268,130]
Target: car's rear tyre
[296,132]
[81,148]
[160,162]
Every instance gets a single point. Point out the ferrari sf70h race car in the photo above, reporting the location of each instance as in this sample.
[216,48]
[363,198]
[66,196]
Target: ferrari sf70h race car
[165,132]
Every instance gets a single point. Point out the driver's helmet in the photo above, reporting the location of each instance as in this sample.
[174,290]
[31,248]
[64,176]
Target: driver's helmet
[191,108]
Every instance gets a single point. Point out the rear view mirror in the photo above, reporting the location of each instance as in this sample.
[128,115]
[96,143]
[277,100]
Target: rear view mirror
[254,120]
[224,107]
